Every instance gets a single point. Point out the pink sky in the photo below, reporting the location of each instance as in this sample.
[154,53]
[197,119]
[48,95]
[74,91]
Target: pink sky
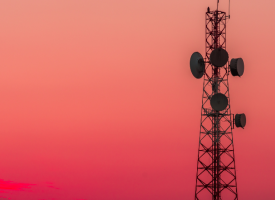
[98,101]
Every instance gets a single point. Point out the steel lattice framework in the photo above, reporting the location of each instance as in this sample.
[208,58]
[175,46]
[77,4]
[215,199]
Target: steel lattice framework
[216,173]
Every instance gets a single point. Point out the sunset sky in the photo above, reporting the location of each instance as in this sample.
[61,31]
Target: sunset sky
[98,101]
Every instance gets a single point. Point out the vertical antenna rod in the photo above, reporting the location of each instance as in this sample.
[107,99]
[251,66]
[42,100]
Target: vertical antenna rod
[229,10]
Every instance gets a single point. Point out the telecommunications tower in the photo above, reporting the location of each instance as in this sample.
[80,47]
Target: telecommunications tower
[216,172]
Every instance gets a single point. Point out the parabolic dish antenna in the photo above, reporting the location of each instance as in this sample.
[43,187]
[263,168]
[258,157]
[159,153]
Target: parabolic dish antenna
[219,57]
[197,65]
[219,102]
[240,120]
[237,66]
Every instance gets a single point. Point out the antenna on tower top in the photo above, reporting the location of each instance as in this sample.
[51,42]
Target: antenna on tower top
[228,16]
[229,10]
[218,1]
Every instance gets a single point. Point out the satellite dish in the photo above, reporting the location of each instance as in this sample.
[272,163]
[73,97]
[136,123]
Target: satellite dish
[197,65]
[219,102]
[219,57]
[240,120]
[237,66]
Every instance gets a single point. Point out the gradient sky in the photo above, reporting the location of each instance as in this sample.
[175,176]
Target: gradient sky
[98,101]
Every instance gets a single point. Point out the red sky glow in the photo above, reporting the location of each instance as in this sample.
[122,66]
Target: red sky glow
[98,101]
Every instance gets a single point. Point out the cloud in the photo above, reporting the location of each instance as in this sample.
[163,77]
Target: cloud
[50,185]
[9,185]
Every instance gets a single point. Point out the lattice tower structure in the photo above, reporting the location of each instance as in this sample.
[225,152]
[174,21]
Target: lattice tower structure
[216,171]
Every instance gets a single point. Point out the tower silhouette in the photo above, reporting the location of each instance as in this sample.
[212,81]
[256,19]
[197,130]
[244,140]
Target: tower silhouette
[216,171]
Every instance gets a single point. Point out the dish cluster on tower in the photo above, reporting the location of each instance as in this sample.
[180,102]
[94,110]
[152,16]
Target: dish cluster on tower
[218,58]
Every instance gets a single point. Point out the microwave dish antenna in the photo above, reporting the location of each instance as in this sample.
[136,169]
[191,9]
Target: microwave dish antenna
[197,65]
[219,57]
[237,66]
[240,120]
[219,102]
